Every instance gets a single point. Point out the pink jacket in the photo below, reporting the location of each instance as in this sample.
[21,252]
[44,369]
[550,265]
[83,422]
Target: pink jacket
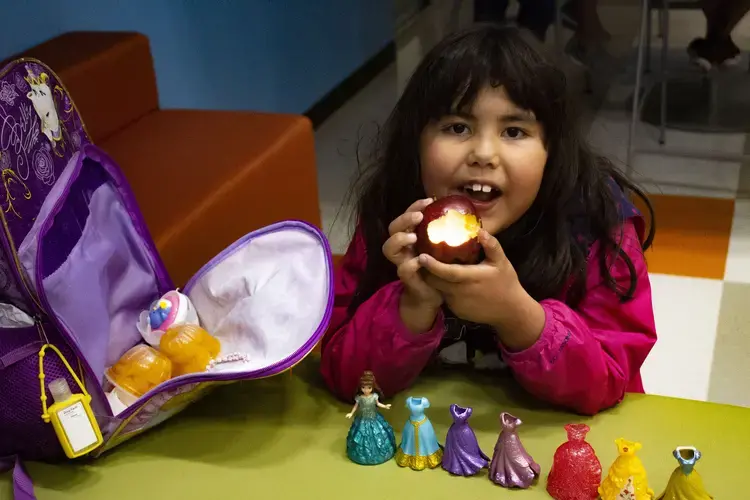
[585,359]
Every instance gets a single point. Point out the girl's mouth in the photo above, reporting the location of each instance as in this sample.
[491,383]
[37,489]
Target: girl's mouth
[482,193]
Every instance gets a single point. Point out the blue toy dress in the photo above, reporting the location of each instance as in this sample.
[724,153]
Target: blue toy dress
[419,446]
[371,440]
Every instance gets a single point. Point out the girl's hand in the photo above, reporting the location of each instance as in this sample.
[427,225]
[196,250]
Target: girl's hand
[399,249]
[350,414]
[387,407]
[489,293]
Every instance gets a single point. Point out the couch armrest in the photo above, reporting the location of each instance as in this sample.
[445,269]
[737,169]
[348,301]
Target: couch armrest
[203,179]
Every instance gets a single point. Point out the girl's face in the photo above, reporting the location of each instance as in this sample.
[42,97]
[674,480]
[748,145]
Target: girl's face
[366,390]
[493,153]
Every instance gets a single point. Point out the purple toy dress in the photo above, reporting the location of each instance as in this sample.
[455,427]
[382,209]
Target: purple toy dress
[512,466]
[462,455]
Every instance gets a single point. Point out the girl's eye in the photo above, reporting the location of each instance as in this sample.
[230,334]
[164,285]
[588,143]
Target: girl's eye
[514,133]
[457,129]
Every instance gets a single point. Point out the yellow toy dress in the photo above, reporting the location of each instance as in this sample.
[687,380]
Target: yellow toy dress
[626,479]
[685,483]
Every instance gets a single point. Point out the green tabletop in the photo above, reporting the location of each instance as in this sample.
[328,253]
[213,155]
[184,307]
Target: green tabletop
[284,438]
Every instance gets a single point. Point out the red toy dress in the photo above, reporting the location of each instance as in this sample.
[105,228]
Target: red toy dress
[576,471]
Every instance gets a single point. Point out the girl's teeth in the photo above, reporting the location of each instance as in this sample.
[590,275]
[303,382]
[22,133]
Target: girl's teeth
[479,188]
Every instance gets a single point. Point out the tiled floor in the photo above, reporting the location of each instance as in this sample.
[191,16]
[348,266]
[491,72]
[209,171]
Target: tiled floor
[700,260]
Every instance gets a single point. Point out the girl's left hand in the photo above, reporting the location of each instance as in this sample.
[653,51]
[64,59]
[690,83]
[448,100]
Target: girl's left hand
[488,293]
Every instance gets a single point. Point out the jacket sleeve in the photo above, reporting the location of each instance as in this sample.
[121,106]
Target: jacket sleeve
[586,359]
[374,337]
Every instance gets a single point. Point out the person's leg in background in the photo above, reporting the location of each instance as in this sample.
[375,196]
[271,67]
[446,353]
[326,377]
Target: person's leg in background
[490,10]
[537,16]
[589,33]
[718,48]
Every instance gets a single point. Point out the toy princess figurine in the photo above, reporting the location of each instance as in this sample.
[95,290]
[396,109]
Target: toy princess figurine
[462,455]
[172,309]
[370,440]
[576,471]
[512,466]
[627,476]
[419,447]
[685,483]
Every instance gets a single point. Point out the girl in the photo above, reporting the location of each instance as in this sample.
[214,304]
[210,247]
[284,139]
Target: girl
[562,294]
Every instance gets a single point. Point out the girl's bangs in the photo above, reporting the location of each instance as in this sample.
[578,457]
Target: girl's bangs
[455,80]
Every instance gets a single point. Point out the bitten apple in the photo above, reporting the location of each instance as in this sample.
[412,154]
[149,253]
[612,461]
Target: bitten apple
[449,229]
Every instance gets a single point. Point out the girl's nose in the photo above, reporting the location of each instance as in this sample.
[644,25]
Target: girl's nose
[485,153]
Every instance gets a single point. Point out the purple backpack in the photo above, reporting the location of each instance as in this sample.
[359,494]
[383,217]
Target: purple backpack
[78,267]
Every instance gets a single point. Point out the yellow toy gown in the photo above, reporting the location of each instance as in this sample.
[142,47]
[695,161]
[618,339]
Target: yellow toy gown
[626,478]
[685,483]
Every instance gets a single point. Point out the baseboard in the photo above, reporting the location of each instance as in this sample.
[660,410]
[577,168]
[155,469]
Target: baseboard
[348,88]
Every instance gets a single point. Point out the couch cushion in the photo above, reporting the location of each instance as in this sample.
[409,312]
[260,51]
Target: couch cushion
[205,178]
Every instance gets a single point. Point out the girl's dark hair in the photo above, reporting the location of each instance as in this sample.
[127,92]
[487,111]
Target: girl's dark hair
[577,186]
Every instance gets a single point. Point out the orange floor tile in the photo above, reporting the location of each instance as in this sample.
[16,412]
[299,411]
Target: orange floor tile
[692,235]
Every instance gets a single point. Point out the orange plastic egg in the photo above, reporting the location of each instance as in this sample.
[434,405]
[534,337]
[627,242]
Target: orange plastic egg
[190,347]
[140,369]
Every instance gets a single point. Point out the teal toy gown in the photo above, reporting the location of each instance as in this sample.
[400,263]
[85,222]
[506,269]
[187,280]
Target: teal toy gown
[371,440]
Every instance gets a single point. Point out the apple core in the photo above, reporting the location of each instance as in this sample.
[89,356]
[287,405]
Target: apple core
[454,228]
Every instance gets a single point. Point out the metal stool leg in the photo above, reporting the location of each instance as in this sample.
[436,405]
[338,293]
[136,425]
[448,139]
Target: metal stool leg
[663,70]
[558,27]
[649,32]
[635,112]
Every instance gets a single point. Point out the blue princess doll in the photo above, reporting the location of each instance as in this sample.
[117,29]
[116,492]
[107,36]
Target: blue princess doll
[371,440]
[419,446]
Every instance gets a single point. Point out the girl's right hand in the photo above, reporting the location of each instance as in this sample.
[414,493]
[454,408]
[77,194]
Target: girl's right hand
[399,249]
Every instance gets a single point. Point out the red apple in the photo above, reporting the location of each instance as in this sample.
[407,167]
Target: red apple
[448,231]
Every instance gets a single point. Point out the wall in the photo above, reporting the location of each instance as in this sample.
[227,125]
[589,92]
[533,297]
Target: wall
[269,55]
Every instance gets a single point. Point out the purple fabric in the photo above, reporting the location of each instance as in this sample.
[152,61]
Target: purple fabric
[512,466]
[462,455]
[27,250]
[99,290]
[41,135]
[23,430]
[23,486]
[40,131]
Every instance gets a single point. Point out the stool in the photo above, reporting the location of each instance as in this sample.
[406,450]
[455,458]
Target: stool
[694,104]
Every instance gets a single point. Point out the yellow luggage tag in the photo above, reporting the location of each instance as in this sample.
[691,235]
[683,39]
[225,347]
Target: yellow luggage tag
[70,414]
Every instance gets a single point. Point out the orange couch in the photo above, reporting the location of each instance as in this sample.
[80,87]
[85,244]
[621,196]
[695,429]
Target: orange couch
[201,178]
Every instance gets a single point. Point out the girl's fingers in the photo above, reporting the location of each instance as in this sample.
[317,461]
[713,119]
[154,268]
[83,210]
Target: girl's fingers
[405,222]
[408,271]
[410,218]
[419,205]
[393,248]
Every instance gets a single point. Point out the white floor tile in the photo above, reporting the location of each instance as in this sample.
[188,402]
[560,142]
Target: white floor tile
[686,311]
[738,258]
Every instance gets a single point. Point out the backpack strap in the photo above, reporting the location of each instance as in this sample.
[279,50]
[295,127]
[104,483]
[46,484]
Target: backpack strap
[23,486]
[20,353]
